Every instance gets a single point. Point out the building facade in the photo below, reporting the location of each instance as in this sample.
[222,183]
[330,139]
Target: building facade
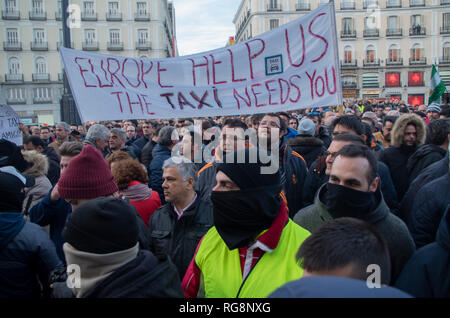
[386,47]
[31,70]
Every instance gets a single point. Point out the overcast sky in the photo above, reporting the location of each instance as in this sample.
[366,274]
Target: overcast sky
[204,25]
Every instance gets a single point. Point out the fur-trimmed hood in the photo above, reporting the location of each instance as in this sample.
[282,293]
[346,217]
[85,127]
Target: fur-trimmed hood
[398,130]
[39,161]
[305,141]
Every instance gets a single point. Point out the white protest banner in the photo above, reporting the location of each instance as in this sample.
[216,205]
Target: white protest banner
[9,125]
[294,66]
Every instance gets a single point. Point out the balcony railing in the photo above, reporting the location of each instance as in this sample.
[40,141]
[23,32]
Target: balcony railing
[348,34]
[418,61]
[397,62]
[11,14]
[417,30]
[371,63]
[12,46]
[88,16]
[274,7]
[39,46]
[115,46]
[42,100]
[394,4]
[303,7]
[445,29]
[348,5]
[444,60]
[394,32]
[143,45]
[38,15]
[141,16]
[371,33]
[349,63]
[14,77]
[90,46]
[41,77]
[113,16]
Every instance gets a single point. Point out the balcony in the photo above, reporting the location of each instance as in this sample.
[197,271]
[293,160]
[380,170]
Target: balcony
[38,15]
[143,46]
[444,60]
[88,16]
[113,16]
[15,78]
[141,16]
[418,61]
[348,34]
[445,29]
[394,4]
[371,63]
[348,5]
[90,46]
[41,77]
[303,7]
[274,7]
[39,46]
[417,30]
[349,63]
[396,62]
[11,14]
[12,46]
[371,33]
[42,100]
[115,46]
[394,32]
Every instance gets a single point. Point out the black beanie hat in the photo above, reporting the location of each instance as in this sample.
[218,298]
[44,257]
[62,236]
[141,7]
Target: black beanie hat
[248,174]
[102,226]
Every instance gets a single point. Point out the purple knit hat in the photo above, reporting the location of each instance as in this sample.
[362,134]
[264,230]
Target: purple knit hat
[87,176]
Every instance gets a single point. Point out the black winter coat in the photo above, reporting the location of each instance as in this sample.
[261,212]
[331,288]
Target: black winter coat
[396,158]
[429,174]
[428,208]
[423,157]
[427,273]
[160,154]
[178,238]
[310,148]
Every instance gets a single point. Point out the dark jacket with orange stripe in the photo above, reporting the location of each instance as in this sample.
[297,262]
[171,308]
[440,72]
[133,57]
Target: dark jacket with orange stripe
[294,168]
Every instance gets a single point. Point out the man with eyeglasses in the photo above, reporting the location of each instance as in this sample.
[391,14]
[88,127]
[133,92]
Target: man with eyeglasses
[292,166]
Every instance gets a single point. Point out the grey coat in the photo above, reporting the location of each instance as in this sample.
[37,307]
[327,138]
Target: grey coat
[400,243]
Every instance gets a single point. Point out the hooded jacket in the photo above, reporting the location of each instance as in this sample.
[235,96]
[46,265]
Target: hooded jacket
[144,277]
[310,148]
[38,170]
[423,157]
[428,209]
[427,273]
[394,231]
[27,256]
[396,156]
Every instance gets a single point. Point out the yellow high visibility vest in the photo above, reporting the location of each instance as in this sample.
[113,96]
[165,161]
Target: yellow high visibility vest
[221,268]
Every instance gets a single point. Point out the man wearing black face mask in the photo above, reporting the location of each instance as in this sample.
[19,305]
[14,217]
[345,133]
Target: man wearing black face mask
[354,191]
[251,249]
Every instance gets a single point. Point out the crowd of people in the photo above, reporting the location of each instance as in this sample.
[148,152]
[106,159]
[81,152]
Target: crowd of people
[265,205]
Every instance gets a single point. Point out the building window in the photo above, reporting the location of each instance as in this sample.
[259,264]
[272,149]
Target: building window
[348,81]
[14,66]
[416,99]
[393,79]
[42,94]
[40,65]
[38,36]
[89,7]
[12,36]
[394,3]
[370,80]
[113,7]
[348,55]
[114,36]
[394,53]
[416,53]
[16,95]
[273,5]
[370,54]
[416,3]
[415,79]
[142,36]
[446,51]
[89,36]
[37,6]
[274,23]
[10,6]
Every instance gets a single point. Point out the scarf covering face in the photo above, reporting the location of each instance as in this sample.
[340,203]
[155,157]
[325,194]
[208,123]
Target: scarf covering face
[342,201]
[138,192]
[95,267]
[239,216]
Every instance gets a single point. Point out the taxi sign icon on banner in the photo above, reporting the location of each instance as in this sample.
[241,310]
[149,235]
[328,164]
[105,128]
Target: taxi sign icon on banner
[274,65]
